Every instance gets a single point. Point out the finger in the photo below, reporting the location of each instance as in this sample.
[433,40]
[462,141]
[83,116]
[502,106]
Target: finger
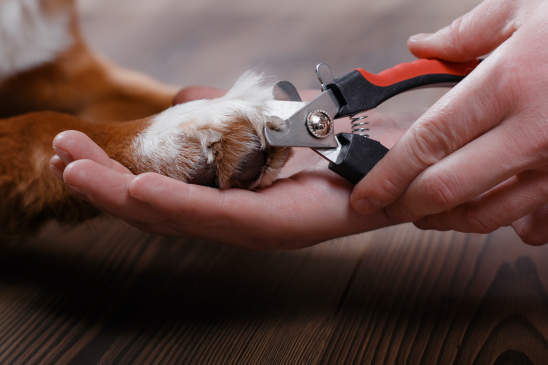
[474,34]
[200,210]
[106,189]
[222,209]
[74,145]
[197,92]
[500,207]
[232,216]
[472,170]
[57,166]
[533,228]
[468,110]
[272,218]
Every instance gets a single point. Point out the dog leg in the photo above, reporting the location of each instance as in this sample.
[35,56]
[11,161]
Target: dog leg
[46,65]
[217,142]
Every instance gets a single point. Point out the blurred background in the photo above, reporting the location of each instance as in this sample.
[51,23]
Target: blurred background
[212,42]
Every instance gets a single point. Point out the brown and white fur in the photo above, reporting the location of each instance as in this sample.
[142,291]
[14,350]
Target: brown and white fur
[51,81]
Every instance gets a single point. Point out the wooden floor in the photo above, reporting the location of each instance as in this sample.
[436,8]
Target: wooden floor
[107,293]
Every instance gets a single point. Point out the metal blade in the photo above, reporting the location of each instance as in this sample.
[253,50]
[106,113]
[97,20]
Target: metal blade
[330,154]
[284,90]
[296,133]
[324,74]
[283,109]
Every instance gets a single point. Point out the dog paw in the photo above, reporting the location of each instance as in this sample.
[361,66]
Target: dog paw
[218,142]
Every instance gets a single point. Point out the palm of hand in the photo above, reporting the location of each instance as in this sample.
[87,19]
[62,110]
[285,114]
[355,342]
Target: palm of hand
[308,206]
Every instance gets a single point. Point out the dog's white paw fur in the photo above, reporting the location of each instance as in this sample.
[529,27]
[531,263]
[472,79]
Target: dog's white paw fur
[219,141]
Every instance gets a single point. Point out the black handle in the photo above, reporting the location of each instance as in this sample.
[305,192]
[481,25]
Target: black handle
[358,155]
[360,90]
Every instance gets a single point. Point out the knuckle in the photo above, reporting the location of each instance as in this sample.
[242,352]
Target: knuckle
[430,142]
[511,87]
[389,188]
[529,235]
[506,76]
[455,34]
[440,192]
[538,147]
[531,140]
[533,239]
[479,223]
[382,192]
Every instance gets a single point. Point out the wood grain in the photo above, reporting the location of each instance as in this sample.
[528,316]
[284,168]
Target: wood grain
[106,293]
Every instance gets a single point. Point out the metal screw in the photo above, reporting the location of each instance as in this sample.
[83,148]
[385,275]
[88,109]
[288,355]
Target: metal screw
[319,124]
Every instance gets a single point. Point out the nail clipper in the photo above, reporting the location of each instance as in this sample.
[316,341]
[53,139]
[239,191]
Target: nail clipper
[353,155]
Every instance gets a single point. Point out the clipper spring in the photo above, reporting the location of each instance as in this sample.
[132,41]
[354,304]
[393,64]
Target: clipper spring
[360,126]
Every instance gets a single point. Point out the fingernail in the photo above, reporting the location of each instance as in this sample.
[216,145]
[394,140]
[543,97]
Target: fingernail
[56,171]
[64,155]
[56,165]
[421,37]
[364,206]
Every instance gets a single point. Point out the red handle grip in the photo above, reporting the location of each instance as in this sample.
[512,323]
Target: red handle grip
[422,67]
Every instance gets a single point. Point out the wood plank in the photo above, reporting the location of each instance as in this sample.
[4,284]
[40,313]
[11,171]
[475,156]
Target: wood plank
[391,296]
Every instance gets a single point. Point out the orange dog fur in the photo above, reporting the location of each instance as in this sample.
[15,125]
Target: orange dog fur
[76,89]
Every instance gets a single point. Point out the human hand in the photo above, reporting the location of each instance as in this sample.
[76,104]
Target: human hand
[308,206]
[478,159]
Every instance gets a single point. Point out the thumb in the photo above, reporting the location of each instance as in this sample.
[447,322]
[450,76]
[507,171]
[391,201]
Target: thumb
[472,35]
